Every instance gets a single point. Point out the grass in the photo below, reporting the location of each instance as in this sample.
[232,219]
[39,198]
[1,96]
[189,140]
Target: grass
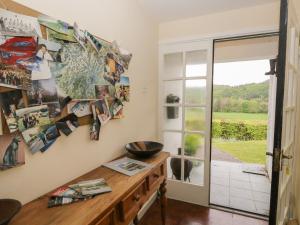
[245,151]
[253,118]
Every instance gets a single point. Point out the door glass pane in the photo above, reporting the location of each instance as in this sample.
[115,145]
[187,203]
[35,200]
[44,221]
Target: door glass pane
[195,119]
[194,145]
[172,91]
[196,63]
[173,65]
[194,171]
[195,92]
[172,142]
[172,118]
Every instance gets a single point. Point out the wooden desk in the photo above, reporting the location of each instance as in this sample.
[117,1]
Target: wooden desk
[118,207]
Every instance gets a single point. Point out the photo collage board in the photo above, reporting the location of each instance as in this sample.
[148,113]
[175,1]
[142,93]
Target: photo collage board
[52,74]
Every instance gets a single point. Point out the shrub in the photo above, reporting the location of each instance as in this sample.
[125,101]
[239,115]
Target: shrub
[191,143]
[238,131]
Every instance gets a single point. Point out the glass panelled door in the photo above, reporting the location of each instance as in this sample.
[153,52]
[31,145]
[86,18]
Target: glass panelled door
[185,111]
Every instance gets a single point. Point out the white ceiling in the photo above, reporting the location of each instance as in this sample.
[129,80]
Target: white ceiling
[166,10]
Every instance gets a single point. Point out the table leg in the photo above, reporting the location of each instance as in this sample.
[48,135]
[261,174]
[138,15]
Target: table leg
[163,201]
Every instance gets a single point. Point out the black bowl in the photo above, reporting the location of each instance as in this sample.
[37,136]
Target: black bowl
[144,149]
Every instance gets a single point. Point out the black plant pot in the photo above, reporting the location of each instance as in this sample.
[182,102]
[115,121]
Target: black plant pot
[176,168]
[8,209]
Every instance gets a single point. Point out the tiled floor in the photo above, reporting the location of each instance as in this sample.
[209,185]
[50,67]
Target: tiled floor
[231,187]
[181,213]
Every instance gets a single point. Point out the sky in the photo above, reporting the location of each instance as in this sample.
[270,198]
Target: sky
[238,73]
[231,73]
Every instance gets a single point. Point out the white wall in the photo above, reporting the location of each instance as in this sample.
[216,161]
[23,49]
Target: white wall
[262,17]
[120,20]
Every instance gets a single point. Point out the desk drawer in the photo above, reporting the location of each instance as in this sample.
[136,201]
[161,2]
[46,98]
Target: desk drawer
[133,202]
[155,176]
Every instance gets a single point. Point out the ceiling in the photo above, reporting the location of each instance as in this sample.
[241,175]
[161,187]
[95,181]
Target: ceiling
[166,10]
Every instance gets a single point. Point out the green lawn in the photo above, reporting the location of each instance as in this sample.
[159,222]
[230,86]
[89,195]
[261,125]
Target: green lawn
[257,118]
[245,151]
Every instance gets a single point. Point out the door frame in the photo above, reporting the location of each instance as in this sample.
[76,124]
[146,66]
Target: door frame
[281,64]
[232,38]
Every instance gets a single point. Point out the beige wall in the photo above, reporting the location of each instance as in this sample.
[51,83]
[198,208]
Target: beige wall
[235,21]
[70,157]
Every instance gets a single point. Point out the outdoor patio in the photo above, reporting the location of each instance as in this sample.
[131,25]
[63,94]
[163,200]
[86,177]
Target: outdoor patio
[231,187]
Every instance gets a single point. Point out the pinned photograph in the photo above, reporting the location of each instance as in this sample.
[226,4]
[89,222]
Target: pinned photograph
[18,51]
[54,24]
[37,130]
[79,72]
[119,115]
[122,89]
[94,41]
[9,103]
[95,126]
[112,69]
[80,108]
[122,56]
[67,124]
[14,24]
[42,92]
[55,36]
[15,54]
[105,91]
[115,107]
[43,56]
[12,151]
[102,111]
[80,36]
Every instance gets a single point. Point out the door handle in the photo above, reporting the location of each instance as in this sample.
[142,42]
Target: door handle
[269,154]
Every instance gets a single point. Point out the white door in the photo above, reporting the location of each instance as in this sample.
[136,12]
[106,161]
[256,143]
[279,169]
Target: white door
[184,112]
[289,118]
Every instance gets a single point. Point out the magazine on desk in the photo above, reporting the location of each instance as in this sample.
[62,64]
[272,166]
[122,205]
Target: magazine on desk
[77,192]
[128,166]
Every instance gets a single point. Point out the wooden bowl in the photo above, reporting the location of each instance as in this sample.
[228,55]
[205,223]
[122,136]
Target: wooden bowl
[144,149]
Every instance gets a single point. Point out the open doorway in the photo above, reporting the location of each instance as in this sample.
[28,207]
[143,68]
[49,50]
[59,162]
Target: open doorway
[243,110]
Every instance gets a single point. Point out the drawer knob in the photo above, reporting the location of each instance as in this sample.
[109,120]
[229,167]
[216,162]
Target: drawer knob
[136,197]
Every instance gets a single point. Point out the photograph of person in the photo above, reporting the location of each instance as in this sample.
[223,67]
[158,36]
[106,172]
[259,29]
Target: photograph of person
[36,127]
[14,24]
[102,111]
[95,126]
[9,103]
[122,89]
[43,58]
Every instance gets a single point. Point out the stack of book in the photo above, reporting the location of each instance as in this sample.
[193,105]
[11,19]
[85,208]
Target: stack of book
[78,192]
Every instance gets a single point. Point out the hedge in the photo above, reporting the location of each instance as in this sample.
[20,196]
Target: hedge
[238,131]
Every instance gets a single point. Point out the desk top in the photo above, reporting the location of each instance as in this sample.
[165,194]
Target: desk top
[89,211]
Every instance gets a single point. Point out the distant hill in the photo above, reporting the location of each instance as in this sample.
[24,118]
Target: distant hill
[248,98]
[247,91]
